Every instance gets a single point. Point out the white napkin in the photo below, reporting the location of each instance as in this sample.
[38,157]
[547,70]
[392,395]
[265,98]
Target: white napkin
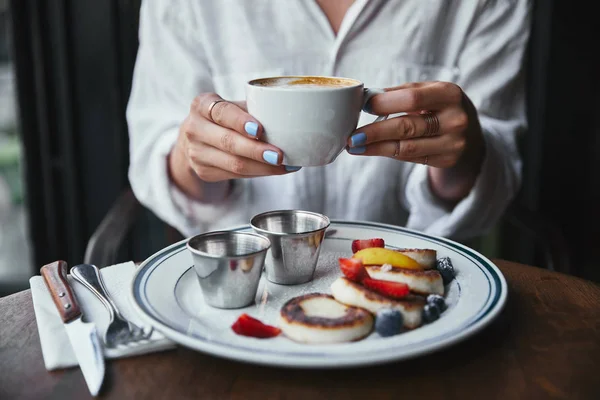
[56,347]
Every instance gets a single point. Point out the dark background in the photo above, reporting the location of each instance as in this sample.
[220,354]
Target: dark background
[74,62]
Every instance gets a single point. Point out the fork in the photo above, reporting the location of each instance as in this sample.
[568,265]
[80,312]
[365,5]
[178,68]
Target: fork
[120,331]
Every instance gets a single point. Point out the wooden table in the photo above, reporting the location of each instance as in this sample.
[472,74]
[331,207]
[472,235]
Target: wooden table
[545,344]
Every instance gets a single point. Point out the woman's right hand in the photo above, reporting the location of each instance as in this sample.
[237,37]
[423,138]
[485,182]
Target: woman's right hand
[221,144]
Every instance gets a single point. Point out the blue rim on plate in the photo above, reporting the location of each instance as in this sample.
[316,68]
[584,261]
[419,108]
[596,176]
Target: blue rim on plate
[489,309]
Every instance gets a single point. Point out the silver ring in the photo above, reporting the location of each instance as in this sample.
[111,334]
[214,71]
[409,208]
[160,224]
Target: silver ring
[211,106]
[432,124]
[397,152]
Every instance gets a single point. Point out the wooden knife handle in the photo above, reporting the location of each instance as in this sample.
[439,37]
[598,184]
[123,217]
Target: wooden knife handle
[55,276]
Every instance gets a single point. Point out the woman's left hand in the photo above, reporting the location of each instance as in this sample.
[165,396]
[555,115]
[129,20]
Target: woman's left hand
[440,129]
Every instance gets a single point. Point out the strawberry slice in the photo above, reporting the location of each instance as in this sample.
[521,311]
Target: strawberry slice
[360,244]
[353,269]
[248,326]
[394,290]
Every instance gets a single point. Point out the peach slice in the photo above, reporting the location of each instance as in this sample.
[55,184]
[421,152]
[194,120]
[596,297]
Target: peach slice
[425,257]
[381,256]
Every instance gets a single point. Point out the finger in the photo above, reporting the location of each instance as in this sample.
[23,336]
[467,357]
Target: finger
[449,121]
[213,174]
[410,148]
[231,142]
[241,104]
[408,85]
[434,96]
[226,114]
[436,160]
[368,106]
[213,157]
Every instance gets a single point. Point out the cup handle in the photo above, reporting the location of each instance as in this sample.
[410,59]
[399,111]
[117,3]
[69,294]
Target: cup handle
[367,95]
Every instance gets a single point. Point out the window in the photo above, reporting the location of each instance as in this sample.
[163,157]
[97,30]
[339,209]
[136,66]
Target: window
[15,256]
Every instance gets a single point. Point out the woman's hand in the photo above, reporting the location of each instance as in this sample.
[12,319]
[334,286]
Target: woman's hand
[219,142]
[453,145]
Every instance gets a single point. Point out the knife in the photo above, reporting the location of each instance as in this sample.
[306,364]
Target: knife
[82,335]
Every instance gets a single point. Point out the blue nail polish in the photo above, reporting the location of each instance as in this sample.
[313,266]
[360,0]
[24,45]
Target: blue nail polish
[271,157]
[358,140]
[291,168]
[357,150]
[251,128]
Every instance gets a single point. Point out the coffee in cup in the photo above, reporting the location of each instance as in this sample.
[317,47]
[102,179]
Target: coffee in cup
[306,82]
[308,117]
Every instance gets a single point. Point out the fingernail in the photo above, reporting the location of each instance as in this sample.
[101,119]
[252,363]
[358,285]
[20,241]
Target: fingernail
[358,140]
[357,150]
[271,157]
[251,128]
[291,168]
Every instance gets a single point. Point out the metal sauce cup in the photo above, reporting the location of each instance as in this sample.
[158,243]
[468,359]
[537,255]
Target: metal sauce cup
[229,266]
[296,237]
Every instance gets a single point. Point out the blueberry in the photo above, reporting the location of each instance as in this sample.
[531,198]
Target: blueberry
[388,322]
[438,301]
[430,313]
[444,265]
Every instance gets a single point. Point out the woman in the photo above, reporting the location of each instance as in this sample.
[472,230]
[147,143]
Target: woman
[200,165]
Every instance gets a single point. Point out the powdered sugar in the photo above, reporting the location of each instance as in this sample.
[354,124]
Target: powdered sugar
[386,268]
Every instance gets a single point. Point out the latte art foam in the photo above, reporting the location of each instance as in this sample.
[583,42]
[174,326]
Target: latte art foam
[308,82]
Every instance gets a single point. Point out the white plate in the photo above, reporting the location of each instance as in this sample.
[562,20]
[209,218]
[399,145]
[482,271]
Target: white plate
[166,294]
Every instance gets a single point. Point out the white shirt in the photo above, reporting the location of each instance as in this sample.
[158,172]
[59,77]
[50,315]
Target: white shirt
[188,47]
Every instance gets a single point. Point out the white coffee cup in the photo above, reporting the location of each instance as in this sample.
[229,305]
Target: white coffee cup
[308,117]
